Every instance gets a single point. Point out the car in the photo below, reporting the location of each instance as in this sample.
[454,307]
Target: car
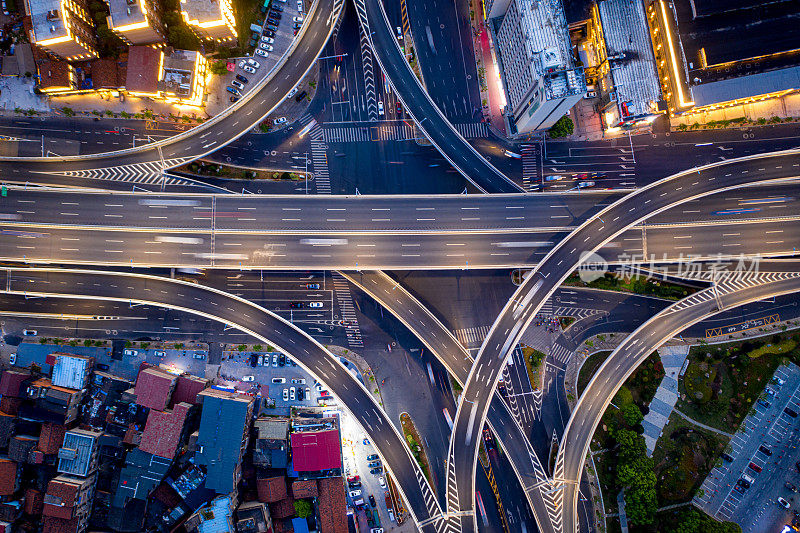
[199,356]
[769,391]
[233,91]
[308,392]
[726,457]
[276,15]
[374,464]
[300,97]
[265,46]
[778,381]
[754,467]
[276,7]
[281,120]
[738,488]
[354,484]
[300,5]
[763,403]
[159,353]
[365,441]
[98,366]
[748,479]
[234,98]
[297,19]
[275,360]
[790,486]
[382,482]
[372,457]
[285,395]
[292,393]
[399,108]
[376,530]
[281,360]
[237,84]
[591,94]
[267,39]
[319,387]
[248,378]
[262,53]
[133,353]
[791,412]
[399,34]
[310,285]
[585,184]
[372,500]
[354,478]
[316,305]
[268,33]
[241,78]
[29,332]
[743,483]
[253,63]
[279,380]
[380,107]
[553,178]
[272,21]
[296,305]
[376,471]
[299,380]
[763,449]
[301,395]
[355,493]
[783,503]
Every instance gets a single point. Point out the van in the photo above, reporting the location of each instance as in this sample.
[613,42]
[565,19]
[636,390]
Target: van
[301,96]
[749,479]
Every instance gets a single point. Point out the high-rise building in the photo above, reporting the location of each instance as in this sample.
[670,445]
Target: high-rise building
[211,20]
[62,27]
[532,45]
[136,21]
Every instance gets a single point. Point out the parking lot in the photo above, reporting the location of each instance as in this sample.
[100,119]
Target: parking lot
[762,462]
[269,43]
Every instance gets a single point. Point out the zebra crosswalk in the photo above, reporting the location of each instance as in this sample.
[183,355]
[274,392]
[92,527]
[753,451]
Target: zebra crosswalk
[149,173]
[319,156]
[560,353]
[471,337]
[397,131]
[531,169]
[345,300]
[473,130]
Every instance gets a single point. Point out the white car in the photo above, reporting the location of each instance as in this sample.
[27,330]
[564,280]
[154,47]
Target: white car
[285,395]
[265,46]
[399,34]
[239,85]
[292,394]
[281,120]
[319,387]
[380,107]
[297,19]
[159,353]
[134,353]
[292,93]
[248,378]
[266,39]
[382,482]
[302,381]
[553,178]
[315,304]
[275,360]
[262,53]
[783,502]
[249,69]
[253,63]
[279,380]
[300,5]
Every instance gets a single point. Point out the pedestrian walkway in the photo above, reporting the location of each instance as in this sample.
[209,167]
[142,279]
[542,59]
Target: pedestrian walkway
[623,518]
[319,156]
[672,357]
[701,425]
[473,130]
[345,301]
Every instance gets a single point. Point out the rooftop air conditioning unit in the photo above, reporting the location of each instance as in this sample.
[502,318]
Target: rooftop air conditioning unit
[550,60]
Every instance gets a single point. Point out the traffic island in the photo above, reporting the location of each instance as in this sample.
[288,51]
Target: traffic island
[413,440]
[205,169]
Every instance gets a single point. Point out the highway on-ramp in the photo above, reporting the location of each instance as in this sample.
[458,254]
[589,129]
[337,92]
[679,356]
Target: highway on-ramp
[261,324]
[562,259]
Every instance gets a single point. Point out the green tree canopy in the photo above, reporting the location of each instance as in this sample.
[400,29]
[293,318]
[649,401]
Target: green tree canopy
[563,127]
[303,508]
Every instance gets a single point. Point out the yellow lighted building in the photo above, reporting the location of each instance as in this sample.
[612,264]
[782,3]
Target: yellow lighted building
[136,21]
[211,20]
[62,27]
[175,76]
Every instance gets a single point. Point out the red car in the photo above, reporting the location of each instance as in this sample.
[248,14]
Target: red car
[755,467]
[399,108]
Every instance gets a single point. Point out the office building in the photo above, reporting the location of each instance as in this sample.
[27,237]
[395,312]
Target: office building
[210,20]
[177,76]
[63,28]
[136,21]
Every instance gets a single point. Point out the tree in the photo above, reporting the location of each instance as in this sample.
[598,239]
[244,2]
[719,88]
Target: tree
[303,508]
[220,68]
[631,414]
[693,521]
[563,127]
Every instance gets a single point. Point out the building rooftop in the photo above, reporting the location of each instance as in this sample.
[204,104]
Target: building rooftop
[332,505]
[55,74]
[202,10]
[746,86]
[34,502]
[78,452]
[141,475]
[217,516]
[46,19]
[178,71]
[271,489]
[305,488]
[163,431]
[20,447]
[187,388]
[124,12]
[272,428]
[51,437]
[8,477]
[107,74]
[154,386]
[60,499]
[11,382]
[71,371]
[314,451]
[143,69]
[283,509]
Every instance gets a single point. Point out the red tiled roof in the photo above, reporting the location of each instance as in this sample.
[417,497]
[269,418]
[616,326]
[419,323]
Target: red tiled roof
[34,502]
[51,437]
[332,505]
[187,388]
[305,488]
[316,450]
[142,74]
[59,501]
[166,495]
[284,509]
[11,382]
[106,73]
[54,74]
[59,525]
[153,388]
[8,477]
[163,431]
[271,489]
[10,405]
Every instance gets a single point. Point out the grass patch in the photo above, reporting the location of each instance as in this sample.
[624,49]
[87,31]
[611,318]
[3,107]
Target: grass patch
[413,440]
[636,285]
[533,362]
[566,321]
[589,367]
[684,456]
[203,168]
[722,381]
[457,388]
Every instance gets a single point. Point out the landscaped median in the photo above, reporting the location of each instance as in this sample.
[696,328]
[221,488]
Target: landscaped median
[414,443]
[218,170]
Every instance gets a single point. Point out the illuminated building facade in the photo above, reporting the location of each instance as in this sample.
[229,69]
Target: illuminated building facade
[57,77]
[211,20]
[63,28]
[540,80]
[713,55]
[176,76]
[136,21]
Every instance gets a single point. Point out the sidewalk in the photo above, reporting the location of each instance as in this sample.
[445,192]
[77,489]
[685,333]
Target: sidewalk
[672,357]
[491,90]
